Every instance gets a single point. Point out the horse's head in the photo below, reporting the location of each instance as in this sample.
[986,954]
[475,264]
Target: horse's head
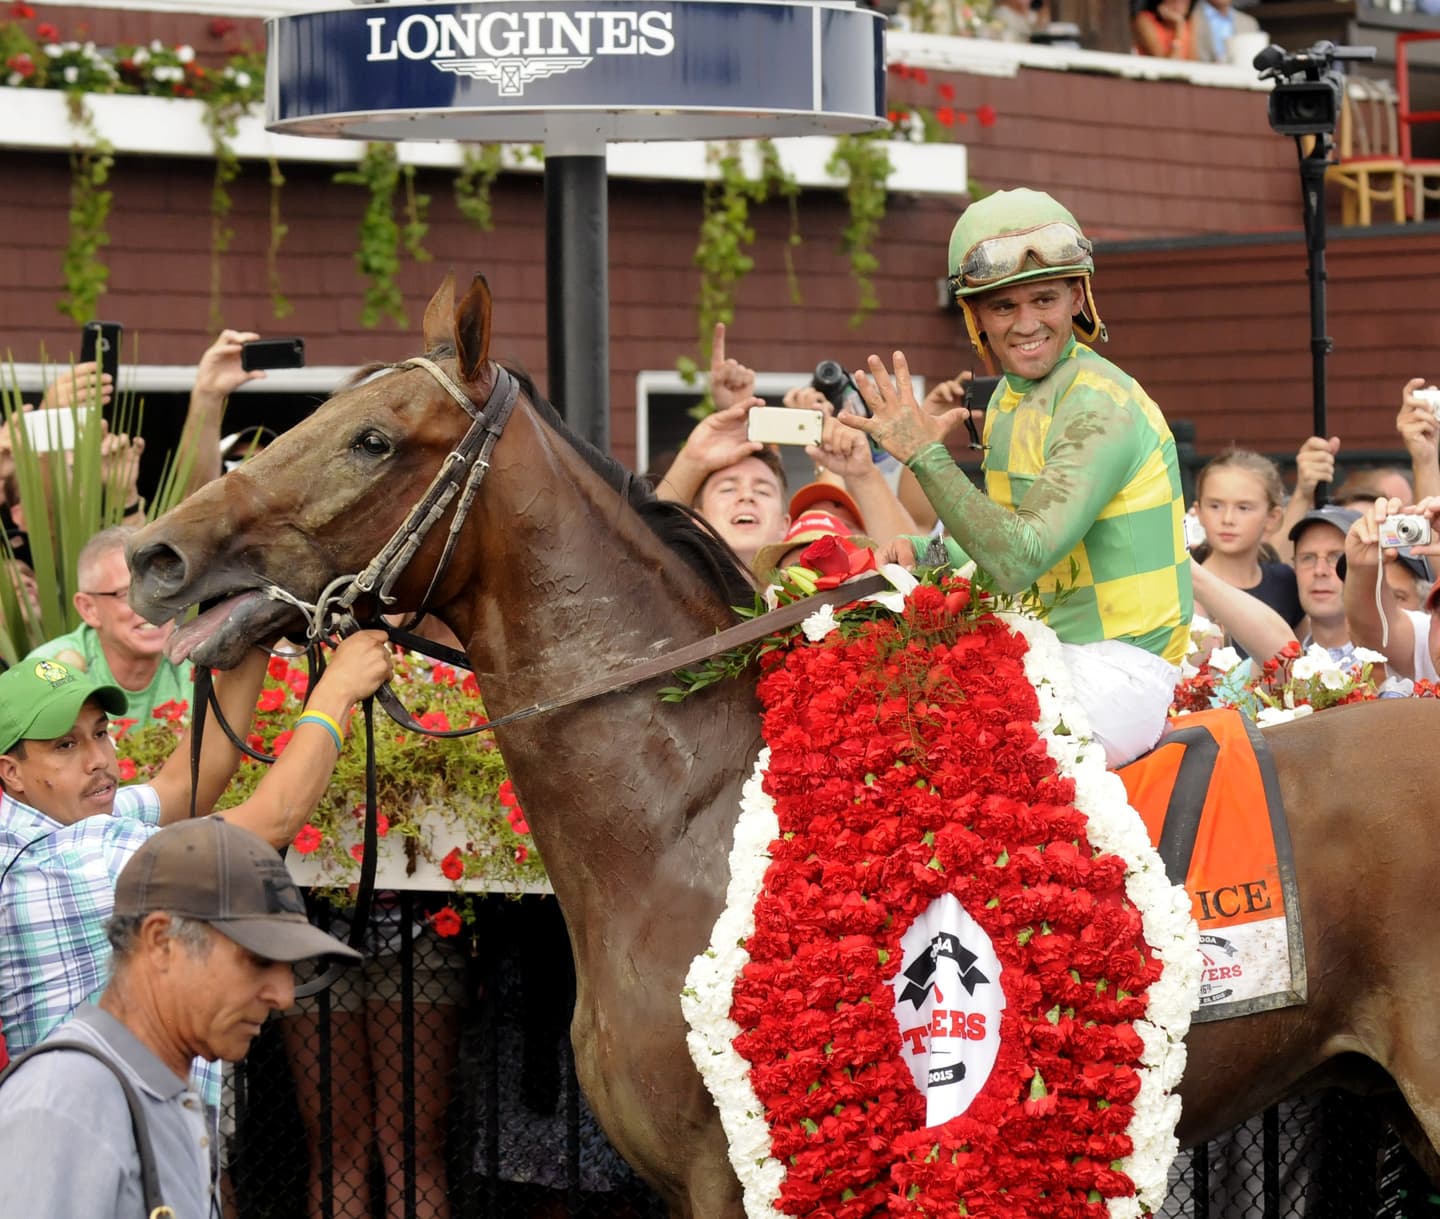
[322,500]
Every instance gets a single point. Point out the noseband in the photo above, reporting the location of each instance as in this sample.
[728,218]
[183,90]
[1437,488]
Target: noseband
[460,473]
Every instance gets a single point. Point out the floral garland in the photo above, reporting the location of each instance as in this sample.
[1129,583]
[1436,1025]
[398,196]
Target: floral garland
[937,751]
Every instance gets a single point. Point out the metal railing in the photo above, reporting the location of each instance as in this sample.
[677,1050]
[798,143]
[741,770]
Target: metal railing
[446,1091]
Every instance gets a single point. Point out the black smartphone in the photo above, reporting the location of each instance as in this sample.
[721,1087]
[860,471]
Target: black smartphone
[100,342]
[272,353]
[979,391]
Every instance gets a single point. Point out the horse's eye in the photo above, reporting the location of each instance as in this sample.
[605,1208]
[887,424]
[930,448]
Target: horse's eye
[372,443]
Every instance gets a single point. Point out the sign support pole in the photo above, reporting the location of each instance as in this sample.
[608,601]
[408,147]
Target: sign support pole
[577,284]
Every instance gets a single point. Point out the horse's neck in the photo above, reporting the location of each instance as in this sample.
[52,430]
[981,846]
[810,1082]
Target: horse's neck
[575,586]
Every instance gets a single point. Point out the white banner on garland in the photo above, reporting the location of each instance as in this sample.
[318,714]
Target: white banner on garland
[948,1001]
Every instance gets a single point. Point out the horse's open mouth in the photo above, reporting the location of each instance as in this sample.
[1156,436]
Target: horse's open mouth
[219,637]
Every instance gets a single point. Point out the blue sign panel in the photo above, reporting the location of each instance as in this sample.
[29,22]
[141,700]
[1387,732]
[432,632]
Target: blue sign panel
[525,70]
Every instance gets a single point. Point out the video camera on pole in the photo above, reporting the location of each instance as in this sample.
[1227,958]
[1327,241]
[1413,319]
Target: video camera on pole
[1306,100]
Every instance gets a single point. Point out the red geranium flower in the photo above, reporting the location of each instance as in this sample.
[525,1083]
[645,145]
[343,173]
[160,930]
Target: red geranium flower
[357,852]
[127,769]
[270,700]
[470,686]
[220,26]
[946,91]
[308,839]
[47,32]
[281,741]
[985,115]
[21,11]
[173,711]
[278,668]
[446,922]
[452,867]
[435,721]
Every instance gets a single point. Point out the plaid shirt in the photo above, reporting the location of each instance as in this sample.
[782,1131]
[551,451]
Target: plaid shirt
[55,897]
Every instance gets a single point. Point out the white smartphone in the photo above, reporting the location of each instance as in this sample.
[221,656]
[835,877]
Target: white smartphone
[50,430]
[784,425]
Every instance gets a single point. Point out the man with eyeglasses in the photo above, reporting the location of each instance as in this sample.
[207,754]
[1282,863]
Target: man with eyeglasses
[114,644]
[1083,483]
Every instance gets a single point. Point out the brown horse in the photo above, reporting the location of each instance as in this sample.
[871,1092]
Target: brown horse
[566,570]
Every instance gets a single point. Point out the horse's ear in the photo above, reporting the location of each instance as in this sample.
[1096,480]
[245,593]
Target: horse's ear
[439,314]
[472,331]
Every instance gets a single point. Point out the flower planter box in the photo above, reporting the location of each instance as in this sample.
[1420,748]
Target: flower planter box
[38,119]
[397,867]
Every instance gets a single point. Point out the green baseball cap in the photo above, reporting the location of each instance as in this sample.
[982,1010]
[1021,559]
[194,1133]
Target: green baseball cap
[41,699]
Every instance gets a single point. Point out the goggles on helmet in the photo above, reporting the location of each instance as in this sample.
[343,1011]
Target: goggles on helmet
[996,259]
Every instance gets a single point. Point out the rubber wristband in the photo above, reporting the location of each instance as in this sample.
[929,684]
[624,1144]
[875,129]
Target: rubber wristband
[326,722]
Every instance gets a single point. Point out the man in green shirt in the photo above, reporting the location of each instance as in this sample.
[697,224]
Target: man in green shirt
[114,645]
[1080,468]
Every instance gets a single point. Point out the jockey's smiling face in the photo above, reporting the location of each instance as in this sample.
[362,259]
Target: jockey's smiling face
[1028,324]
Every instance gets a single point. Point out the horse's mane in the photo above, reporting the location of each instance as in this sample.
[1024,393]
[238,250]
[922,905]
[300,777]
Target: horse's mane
[683,530]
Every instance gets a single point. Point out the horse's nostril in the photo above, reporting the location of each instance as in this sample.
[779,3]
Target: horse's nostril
[159,564]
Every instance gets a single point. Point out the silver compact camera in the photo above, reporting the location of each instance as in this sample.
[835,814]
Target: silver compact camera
[1397,532]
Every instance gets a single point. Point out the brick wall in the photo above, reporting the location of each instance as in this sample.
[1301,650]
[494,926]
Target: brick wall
[1217,331]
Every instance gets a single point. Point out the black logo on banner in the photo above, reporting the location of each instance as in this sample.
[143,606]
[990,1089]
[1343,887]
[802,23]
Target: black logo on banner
[921,970]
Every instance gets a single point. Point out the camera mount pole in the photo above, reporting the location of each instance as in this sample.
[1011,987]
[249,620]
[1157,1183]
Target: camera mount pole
[1312,188]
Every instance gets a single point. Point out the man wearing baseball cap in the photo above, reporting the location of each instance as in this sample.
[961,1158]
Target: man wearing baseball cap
[67,827]
[207,924]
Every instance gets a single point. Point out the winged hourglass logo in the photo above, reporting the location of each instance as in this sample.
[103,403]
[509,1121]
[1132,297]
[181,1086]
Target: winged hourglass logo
[512,75]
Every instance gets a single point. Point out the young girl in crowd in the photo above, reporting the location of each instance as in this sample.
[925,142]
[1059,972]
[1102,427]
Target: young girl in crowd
[1239,499]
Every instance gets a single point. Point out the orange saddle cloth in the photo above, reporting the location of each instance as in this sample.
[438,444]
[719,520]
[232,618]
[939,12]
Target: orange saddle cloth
[1211,802]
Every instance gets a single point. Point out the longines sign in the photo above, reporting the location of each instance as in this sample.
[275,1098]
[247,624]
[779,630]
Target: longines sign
[679,70]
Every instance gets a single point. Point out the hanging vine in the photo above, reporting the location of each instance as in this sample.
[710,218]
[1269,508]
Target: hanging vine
[280,304]
[864,165]
[378,254]
[479,168]
[85,273]
[725,235]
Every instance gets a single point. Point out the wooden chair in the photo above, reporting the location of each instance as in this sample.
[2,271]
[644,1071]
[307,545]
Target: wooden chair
[1370,168]
[1422,174]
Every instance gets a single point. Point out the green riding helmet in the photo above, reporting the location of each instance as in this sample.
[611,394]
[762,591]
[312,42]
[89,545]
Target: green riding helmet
[1017,235]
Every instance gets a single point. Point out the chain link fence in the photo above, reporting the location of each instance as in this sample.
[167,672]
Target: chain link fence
[436,1083]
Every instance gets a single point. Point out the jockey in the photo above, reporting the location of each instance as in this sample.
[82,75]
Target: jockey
[1080,467]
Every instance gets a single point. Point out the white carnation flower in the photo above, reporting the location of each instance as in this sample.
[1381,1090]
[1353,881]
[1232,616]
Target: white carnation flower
[820,623]
[1222,660]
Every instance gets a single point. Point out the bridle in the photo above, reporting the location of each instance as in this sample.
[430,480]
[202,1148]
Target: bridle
[333,611]
[461,473]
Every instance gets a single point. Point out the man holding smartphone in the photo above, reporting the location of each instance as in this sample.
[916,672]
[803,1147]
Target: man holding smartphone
[1083,483]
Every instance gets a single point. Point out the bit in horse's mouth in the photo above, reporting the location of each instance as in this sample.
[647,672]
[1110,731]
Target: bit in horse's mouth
[219,637]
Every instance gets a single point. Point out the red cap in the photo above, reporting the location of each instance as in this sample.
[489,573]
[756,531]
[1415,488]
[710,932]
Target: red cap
[827,493]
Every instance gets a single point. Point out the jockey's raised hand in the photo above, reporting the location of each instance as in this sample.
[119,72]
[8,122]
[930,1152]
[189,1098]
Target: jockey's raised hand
[897,423]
